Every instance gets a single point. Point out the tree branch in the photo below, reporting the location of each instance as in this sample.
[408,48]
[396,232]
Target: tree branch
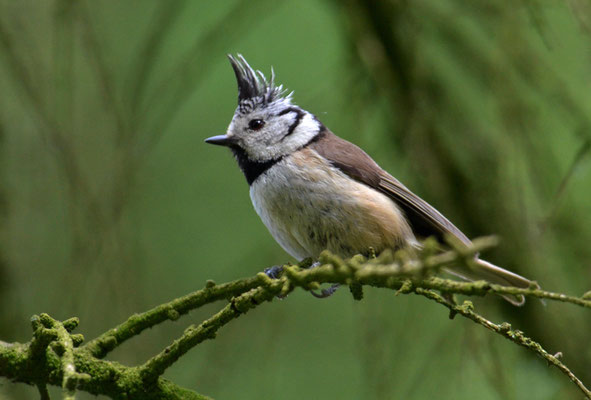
[194,335]
[54,355]
[504,329]
[172,310]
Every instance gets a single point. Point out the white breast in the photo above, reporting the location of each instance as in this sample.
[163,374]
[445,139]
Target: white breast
[309,206]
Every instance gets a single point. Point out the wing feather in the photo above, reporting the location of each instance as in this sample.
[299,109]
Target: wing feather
[423,218]
[426,219]
[350,159]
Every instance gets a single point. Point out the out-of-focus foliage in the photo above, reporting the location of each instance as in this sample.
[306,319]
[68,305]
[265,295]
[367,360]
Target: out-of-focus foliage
[110,203]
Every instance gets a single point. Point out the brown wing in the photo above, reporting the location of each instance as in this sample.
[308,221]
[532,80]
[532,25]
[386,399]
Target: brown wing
[424,219]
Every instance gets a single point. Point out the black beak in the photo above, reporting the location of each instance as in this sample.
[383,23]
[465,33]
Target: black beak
[220,140]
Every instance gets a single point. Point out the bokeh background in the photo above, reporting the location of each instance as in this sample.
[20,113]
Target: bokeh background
[110,202]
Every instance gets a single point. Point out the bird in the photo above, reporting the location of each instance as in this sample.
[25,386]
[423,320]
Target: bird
[314,190]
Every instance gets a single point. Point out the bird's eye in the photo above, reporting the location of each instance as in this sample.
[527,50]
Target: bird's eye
[256,124]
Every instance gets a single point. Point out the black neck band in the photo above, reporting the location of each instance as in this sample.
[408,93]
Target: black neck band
[252,169]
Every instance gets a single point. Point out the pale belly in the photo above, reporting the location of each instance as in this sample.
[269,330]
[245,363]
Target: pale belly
[309,206]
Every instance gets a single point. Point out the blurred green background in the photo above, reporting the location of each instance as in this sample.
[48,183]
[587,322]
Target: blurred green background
[110,202]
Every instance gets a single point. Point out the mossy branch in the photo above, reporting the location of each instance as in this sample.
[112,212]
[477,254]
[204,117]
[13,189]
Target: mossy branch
[504,329]
[194,335]
[136,324]
[55,356]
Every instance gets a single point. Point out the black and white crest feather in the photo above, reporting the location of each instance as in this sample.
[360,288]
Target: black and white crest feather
[253,88]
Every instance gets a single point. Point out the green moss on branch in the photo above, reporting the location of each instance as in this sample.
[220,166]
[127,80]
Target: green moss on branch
[172,310]
[55,355]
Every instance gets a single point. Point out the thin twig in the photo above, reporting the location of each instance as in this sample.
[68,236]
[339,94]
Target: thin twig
[467,310]
[172,310]
[375,276]
[194,335]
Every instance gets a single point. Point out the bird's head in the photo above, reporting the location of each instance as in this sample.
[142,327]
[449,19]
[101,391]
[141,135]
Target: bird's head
[266,125]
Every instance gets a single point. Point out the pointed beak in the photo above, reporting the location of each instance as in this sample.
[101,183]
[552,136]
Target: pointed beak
[220,140]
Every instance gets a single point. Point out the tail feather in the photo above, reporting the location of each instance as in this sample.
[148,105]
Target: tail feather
[493,274]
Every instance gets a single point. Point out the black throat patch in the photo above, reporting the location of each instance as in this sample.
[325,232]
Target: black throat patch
[252,169]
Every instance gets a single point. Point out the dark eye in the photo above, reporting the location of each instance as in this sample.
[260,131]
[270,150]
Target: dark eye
[256,124]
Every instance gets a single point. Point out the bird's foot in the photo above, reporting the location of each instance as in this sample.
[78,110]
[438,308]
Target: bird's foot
[324,293]
[274,272]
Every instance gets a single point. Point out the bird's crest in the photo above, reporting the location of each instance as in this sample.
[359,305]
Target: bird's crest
[253,88]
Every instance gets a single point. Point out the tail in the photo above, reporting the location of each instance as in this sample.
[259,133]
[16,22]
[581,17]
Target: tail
[493,274]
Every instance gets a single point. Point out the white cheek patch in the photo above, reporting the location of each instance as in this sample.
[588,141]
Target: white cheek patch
[285,143]
[287,129]
[275,131]
[303,133]
[275,140]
